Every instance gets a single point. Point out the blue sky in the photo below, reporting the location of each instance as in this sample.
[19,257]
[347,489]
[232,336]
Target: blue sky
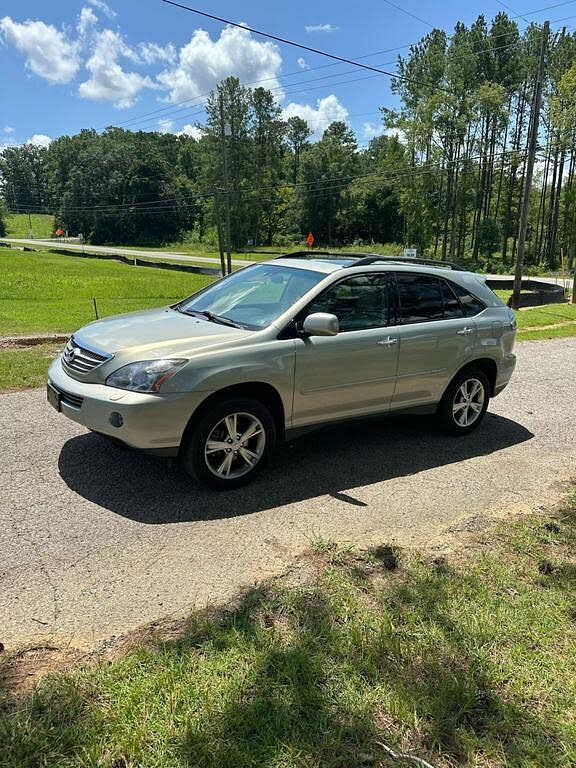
[67,65]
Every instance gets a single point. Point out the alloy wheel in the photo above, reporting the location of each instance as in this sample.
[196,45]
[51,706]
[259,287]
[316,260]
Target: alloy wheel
[235,445]
[468,402]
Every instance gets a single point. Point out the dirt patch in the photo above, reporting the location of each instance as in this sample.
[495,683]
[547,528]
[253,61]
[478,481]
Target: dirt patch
[18,342]
[20,672]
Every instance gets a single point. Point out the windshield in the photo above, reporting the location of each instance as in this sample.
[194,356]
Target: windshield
[253,297]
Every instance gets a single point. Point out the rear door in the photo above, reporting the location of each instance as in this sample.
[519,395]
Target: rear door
[354,372]
[435,338]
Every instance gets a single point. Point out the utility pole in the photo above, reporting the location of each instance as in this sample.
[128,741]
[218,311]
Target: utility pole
[218,220]
[531,156]
[30,233]
[226,184]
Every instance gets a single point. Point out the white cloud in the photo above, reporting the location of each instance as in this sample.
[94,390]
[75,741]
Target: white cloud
[48,51]
[204,62]
[8,129]
[190,130]
[86,21]
[152,52]
[302,63]
[103,8]
[108,80]
[320,28]
[397,133]
[165,125]
[327,110]
[40,140]
[371,130]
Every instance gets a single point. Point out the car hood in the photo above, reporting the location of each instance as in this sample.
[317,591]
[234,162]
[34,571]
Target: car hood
[155,333]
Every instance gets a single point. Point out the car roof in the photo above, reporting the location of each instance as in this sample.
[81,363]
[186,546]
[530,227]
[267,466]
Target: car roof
[328,262]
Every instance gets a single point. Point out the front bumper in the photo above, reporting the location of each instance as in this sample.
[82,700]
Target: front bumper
[148,422]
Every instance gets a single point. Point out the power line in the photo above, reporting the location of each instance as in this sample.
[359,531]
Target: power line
[302,47]
[317,187]
[408,13]
[201,99]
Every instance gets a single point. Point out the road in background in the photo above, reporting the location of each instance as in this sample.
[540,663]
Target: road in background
[42,245]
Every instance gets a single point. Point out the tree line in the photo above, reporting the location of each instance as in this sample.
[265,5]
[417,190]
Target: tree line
[446,176]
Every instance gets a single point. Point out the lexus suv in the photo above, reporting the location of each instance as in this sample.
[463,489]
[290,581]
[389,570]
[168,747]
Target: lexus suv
[283,346]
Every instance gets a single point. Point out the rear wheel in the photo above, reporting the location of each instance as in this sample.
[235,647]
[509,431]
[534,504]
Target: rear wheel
[230,444]
[465,402]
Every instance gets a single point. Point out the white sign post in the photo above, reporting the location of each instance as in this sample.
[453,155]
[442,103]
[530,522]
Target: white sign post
[410,253]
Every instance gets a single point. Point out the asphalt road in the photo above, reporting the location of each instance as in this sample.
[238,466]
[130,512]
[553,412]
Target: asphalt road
[95,540]
[118,250]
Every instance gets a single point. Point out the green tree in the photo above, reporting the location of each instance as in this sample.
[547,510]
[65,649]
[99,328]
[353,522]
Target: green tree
[23,181]
[327,168]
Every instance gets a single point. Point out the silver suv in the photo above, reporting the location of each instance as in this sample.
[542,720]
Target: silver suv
[283,346]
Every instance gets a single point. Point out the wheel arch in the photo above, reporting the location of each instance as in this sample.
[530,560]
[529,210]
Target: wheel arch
[485,364]
[259,390]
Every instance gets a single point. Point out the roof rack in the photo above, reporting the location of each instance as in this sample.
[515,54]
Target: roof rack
[411,260]
[316,254]
[373,258]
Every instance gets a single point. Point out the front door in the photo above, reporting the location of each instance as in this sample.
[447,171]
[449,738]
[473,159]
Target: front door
[353,373]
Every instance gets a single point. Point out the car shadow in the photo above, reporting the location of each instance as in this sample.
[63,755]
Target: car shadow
[152,490]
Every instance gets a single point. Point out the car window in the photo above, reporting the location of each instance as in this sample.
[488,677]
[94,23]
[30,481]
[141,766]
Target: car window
[470,304]
[420,298]
[359,303]
[452,307]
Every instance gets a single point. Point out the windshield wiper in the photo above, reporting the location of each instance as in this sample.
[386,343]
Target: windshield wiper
[211,316]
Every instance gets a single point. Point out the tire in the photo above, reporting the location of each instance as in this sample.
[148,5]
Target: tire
[469,386]
[222,467]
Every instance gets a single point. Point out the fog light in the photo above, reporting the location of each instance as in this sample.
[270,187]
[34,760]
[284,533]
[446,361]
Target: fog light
[116,419]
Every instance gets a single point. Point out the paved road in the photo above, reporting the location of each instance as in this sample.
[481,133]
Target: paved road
[114,250]
[95,540]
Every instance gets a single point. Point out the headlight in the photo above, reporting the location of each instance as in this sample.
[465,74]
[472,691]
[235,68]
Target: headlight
[145,376]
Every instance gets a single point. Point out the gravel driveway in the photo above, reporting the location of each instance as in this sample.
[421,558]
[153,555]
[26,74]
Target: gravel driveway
[95,540]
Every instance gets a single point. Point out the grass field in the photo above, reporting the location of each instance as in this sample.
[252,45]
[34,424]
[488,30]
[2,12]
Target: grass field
[465,660]
[44,292]
[18,225]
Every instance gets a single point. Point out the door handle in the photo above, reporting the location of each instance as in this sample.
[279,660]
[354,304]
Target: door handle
[465,331]
[387,342]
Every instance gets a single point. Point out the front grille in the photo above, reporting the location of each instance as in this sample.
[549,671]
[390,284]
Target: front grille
[77,358]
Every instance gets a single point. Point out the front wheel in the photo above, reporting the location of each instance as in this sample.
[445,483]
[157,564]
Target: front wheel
[230,444]
[465,402]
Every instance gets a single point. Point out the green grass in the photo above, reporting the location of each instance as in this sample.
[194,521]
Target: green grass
[44,292]
[17,225]
[464,661]
[25,368]
[549,314]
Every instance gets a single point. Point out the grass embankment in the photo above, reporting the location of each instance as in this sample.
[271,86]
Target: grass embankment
[18,225]
[49,293]
[23,368]
[466,660]
[44,292]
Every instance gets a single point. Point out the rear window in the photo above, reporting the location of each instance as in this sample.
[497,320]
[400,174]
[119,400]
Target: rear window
[470,304]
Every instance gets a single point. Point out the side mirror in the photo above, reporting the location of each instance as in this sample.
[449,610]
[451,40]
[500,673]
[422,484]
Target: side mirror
[321,324]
